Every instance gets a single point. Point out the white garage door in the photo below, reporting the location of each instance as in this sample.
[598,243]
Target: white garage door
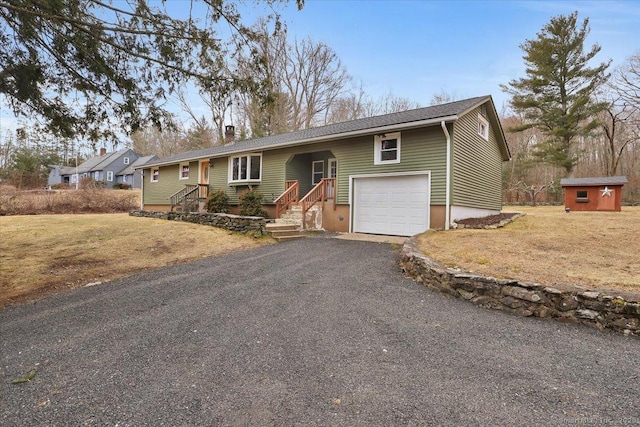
[393,205]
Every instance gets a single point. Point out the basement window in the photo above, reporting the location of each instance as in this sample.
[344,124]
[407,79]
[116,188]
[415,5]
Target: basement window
[386,148]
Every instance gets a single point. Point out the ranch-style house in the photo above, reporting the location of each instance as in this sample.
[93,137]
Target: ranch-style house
[394,174]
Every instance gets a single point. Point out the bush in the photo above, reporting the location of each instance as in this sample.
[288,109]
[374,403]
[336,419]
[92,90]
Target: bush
[251,204]
[217,202]
[61,186]
[121,186]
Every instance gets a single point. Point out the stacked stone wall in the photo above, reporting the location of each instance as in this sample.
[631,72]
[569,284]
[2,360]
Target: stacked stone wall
[251,225]
[603,310]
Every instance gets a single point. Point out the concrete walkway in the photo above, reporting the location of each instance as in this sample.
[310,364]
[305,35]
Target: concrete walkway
[362,237]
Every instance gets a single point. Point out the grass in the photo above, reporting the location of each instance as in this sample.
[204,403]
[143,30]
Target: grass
[48,253]
[597,250]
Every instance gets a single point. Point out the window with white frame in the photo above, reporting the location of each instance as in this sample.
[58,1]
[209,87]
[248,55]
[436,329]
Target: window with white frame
[155,174]
[124,178]
[96,175]
[184,170]
[109,176]
[246,168]
[483,127]
[386,148]
[317,171]
[126,160]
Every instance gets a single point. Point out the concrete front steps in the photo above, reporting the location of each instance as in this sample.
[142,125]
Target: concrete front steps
[283,231]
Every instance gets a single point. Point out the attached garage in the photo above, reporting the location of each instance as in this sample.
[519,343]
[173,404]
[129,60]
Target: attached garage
[391,204]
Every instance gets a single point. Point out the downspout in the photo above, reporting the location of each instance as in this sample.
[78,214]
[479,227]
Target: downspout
[447,180]
[141,187]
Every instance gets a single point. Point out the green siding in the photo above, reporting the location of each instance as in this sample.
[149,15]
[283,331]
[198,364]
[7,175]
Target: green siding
[421,150]
[158,193]
[477,176]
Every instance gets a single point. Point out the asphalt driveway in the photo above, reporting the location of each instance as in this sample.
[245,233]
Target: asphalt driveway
[310,332]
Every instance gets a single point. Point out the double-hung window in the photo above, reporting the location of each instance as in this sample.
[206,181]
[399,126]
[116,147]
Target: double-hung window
[109,176]
[245,168]
[155,174]
[386,148]
[184,170]
[318,171]
[483,127]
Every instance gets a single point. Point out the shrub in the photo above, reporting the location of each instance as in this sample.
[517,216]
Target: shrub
[117,186]
[61,186]
[251,204]
[218,202]
[125,186]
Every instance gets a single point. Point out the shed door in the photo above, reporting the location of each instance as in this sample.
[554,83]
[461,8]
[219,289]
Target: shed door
[392,205]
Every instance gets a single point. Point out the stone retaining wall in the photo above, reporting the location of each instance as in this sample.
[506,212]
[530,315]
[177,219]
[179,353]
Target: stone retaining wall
[597,309]
[251,225]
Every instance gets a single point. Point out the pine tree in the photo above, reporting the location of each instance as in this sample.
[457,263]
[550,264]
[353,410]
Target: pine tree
[557,95]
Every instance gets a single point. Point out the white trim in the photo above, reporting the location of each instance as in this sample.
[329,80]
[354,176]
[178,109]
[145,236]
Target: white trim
[313,171]
[125,160]
[331,137]
[157,178]
[248,180]
[335,162]
[180,166]
[382,175]
[447,178]
[484,132]
[377,147]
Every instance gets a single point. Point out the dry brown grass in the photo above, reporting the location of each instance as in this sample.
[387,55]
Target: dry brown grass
[599,250]
[47,253]
[85,200]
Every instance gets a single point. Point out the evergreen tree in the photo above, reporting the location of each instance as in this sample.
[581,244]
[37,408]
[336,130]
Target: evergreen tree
[557,95]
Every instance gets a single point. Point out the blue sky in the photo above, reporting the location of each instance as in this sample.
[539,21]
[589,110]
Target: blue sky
[415,49]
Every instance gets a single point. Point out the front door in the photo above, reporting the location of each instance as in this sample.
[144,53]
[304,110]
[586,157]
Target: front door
[204,178]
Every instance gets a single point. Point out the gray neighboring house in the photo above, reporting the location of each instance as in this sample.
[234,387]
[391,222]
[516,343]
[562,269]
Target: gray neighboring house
[101,168]
[60,175]
[129,176]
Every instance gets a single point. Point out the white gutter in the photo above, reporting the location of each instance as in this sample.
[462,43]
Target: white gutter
[447,202]
[323,138]
[141,187]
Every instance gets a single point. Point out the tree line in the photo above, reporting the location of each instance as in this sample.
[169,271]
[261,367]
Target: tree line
[90,71]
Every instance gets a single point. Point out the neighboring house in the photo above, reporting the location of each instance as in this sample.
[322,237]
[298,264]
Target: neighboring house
[593,194]
[60,175]
[102,168]
[397,174]
[130,176]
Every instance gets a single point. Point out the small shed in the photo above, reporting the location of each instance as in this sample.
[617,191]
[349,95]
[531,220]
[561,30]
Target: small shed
[593,194]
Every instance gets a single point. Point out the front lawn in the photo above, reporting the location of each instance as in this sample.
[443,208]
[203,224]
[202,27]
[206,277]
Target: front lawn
[599,250]
[48,253]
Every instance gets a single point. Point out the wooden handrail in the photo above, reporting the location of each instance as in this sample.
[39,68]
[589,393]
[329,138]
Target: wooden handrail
[186,195]
[322,191]
[286,199]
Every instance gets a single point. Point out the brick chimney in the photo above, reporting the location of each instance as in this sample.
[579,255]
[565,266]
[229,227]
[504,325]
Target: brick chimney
[229,134]
[103,151]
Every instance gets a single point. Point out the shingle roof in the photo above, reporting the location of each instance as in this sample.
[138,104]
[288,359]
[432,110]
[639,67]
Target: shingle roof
[401,120]
[605,180]
[94,163]
[129,170]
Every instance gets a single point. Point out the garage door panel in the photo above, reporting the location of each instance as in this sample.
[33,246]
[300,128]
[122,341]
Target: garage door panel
[397,205]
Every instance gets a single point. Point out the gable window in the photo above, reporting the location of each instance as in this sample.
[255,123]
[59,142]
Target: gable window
[483,127]
[126,160]
[386,148]
[318,171]
[155,174]
[184,170]
[109,176]
[247,168]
